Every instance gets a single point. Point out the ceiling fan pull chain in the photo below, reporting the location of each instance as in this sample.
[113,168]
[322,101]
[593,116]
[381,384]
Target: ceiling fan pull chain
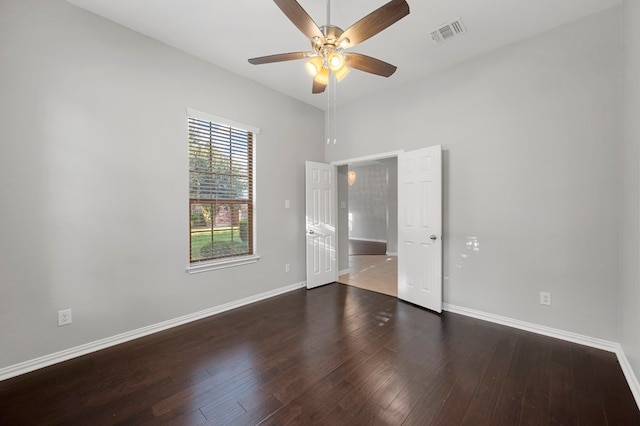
[327,119]
[331,115]
[335,110]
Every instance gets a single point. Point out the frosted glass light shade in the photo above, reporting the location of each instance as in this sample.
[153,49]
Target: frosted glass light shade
[314,65]
[336,61]
[341,73]
[351,177]
[323,76]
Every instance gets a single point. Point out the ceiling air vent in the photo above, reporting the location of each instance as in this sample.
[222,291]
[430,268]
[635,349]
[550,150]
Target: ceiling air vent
[448,31]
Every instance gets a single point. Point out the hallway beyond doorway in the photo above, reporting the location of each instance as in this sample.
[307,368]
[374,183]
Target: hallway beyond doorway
[377,273]
[357,247]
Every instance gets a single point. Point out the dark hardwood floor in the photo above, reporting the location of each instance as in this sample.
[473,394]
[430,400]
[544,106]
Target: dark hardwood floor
[335,355]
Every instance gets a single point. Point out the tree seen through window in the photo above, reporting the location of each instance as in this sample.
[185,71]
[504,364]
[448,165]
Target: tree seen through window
[220,191]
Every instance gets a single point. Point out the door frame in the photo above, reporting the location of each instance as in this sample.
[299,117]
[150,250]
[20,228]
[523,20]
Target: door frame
[337,163]
[380,156]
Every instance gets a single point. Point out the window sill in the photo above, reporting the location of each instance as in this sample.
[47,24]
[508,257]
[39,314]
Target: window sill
[221,264]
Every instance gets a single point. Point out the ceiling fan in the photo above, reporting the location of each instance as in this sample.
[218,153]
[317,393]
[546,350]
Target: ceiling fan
[329,42]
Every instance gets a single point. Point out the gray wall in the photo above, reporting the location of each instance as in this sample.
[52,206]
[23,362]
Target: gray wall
[93,171]
[531,134]
[368,201]
[630,229]
[373,201]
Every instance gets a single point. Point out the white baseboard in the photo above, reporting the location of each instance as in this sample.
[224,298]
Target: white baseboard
[534,328]
[367,239]
[632,380]
[593,342]
[392,253]
[57,357]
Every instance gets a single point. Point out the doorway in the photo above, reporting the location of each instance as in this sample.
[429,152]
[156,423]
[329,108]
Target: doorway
[418,233]
[368,224]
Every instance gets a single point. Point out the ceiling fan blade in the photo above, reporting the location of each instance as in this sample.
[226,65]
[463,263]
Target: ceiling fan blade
[281,57]
[300,18]
[318,87]
[375,22]
[368,64]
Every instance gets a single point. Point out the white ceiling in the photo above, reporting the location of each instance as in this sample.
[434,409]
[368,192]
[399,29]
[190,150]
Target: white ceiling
[228,32]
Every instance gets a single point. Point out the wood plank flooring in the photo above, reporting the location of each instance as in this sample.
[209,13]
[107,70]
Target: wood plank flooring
[335,355]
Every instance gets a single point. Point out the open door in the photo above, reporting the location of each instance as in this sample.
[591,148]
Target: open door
[321,224]
[420,227]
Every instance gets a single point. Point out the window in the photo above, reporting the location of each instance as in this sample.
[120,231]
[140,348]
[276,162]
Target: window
[221,189]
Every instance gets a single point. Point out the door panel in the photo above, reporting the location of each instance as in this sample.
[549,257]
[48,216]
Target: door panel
[321,226]
[420,227]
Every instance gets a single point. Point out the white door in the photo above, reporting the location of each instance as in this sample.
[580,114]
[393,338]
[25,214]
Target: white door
[321,224]
[420,227]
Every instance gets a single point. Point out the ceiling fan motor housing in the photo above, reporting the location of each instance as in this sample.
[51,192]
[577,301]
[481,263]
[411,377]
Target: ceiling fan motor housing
[328,44]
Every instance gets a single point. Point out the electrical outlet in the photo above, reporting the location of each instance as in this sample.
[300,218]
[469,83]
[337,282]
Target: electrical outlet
[64,317]
[545,298]
[287,267]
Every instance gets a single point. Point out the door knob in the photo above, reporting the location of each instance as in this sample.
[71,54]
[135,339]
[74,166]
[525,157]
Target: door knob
[434,237]
[311,231]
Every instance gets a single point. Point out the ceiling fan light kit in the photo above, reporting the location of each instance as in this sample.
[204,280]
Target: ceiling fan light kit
[341,73]
[314,65]
[322,77]
[335,60]
[329,42]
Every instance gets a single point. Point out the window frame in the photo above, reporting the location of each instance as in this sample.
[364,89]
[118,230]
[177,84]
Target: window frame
[230,261]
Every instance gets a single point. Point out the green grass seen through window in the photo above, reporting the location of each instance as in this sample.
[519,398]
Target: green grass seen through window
[225,242]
